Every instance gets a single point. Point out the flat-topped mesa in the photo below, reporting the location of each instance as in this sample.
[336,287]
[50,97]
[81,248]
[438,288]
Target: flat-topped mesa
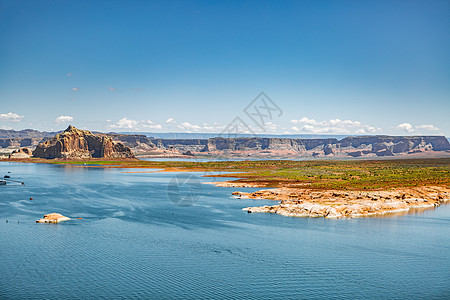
[74,143]
[360,146]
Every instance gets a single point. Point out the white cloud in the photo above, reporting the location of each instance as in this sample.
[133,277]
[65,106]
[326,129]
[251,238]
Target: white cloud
[334,126]
[406,127]
[204,127]
[271,127]
[361,131]
[188,126]
[125,123]
[310,128]
[419,129]
[63,119]
[11,117]
[304,120]
[75,89]
[428,127]
[170,120]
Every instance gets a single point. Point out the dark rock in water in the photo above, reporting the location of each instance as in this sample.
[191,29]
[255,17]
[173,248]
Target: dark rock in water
[74,143]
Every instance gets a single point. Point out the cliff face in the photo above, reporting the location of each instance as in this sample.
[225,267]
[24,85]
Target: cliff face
[391,145]
[351,146]
[19,142]
[74,143]
[27,133]
[81,144]
[131,140]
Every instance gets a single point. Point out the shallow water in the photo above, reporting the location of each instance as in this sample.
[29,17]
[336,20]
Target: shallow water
[140,237]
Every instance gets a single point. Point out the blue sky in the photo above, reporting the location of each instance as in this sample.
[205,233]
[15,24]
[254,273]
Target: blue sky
[344,67]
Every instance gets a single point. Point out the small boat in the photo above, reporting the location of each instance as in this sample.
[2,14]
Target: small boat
[6,176]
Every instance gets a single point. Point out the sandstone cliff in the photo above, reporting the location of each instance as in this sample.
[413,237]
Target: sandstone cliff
[264,147]
[20,142]
[74,143]
[284,147]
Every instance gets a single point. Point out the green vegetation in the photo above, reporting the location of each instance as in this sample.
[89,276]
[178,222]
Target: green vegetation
[317,174]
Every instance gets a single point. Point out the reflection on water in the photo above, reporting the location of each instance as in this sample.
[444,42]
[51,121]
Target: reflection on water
[134,242]
[411,211]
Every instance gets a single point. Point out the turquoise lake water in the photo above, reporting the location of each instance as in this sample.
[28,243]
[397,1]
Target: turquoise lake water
[166,236]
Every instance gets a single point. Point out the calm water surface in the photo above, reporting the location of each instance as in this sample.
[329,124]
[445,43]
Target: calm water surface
[135,241]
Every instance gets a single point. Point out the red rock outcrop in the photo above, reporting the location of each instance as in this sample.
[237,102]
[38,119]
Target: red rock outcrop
[74,143]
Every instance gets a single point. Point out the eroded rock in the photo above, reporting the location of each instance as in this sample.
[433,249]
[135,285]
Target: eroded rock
[352,204]
[53,218]
[74,143]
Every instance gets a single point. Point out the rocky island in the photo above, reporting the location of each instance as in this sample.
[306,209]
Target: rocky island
[53,218]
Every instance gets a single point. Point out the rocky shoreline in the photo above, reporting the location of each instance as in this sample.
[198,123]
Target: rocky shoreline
[345,204]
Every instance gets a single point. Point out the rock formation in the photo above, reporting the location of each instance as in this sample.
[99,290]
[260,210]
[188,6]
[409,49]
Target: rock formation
[53,218]
[359,146]
[74,143]
[21,153]
[362,146]
[19,142]
[350,204]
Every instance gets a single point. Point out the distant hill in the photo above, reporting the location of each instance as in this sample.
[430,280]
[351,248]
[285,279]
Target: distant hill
[195,135]
[26,133]
[241,145]
[31,133]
